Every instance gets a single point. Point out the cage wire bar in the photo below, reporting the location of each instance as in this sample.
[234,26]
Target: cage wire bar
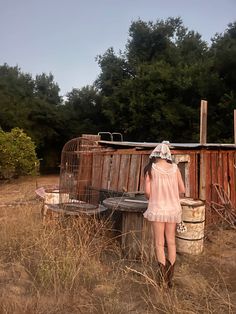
[79,166]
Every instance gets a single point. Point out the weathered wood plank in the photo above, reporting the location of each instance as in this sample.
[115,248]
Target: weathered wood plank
[208,177]
[124,173]
[114,173]
[134,173]
[203,122]
[225,172]
[202,186]
[105,181]
[214,178]
[84,174]
[232,177]
[208,186]
[97,170]
[220,168]
[183,162]
[148,247]
[193,175]
[93,190]
[144,162]
[132,224]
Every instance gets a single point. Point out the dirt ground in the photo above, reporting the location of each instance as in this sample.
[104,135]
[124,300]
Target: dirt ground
[216,265]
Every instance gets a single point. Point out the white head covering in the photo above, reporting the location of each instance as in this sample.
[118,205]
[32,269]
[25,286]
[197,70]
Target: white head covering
[162,151]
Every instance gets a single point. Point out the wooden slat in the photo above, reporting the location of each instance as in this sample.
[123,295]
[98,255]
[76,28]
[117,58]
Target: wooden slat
[144,162]
[84,174]
[202,186]
[93,190]
[183,161]
[208,177]
[197,171]
[185,151]
[134,173]
[148,247]
[225,172]
[203,122]
[131,243]
[232,177]
[97,170]
[193,176]
[208,187]
[124,172]
[235,126]
[220,169]
[114,174]
[128,151]
[105,181]
[214,180]
[92,137]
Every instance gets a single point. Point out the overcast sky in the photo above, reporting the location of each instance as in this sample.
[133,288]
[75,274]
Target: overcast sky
[65,36]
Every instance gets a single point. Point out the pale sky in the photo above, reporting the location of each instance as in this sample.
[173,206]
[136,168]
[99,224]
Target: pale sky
[65,36]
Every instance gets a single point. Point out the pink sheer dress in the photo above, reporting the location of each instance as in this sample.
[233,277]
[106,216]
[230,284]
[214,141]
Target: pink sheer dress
[164,203]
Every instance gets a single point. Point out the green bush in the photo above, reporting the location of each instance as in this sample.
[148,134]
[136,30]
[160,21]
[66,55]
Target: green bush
[17,154]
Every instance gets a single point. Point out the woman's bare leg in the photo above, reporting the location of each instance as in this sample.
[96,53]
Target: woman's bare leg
[170,239]
[159,240]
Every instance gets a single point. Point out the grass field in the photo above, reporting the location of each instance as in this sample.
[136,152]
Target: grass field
[77,266]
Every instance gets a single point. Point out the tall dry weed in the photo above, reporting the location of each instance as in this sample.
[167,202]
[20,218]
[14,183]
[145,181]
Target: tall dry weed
[76,266]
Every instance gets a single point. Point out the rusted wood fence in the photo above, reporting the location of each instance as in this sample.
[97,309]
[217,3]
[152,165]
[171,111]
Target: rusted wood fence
[121,170]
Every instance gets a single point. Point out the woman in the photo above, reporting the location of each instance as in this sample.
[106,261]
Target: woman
[163,186]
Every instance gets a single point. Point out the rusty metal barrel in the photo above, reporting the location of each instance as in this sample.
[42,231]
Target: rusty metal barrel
[193,216]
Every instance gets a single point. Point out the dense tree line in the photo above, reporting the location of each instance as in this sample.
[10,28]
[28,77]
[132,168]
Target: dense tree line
[149,92]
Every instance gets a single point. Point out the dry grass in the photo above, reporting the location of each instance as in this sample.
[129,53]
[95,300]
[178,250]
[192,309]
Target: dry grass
[75,266]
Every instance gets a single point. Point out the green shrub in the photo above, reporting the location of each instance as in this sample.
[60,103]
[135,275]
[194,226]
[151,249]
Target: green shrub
[17,154]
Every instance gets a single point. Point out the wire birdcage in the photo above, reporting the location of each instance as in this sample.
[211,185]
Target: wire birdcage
[79,174]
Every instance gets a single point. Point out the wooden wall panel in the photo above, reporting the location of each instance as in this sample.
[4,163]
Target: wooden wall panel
[114,173]
[208,175]
[208,187]
[220,168]
[134,173]
[193,175]
[124,173]
[144,162]
[84,174]
[105,180]
[183,161]
[97,170]
[123,169]
[214,179]
[225,172]
[232,176]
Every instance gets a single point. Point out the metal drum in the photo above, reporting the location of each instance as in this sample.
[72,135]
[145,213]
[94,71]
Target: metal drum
[193,215]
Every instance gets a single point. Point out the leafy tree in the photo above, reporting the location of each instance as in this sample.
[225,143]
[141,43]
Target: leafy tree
[16,91]
[150,41]
[17,154]
[223,56]
[33,106]
[46,89]
[168,65]
[85,114]
[114,69]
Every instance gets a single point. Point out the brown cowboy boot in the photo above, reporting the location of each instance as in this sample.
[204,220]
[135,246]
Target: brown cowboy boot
[169,268]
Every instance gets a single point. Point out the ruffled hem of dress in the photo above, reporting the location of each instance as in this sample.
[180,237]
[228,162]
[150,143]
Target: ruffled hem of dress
[151,216]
